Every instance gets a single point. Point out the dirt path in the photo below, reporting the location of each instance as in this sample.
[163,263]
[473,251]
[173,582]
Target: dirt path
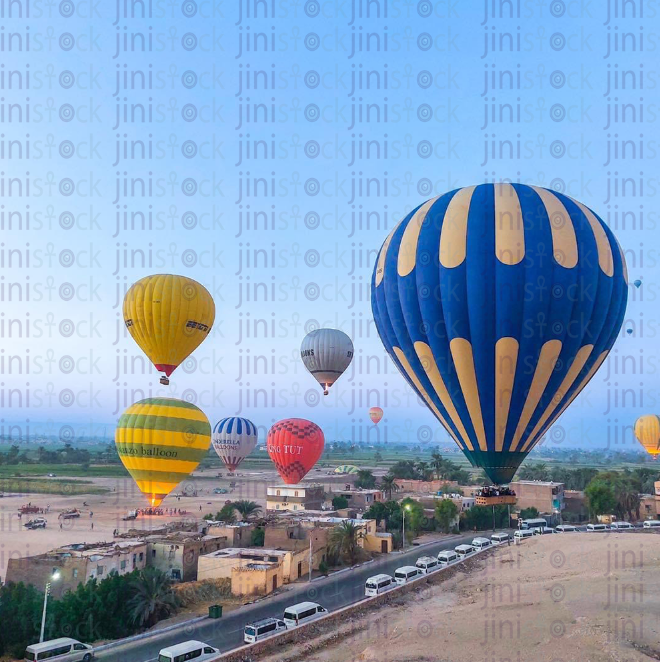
[573,597]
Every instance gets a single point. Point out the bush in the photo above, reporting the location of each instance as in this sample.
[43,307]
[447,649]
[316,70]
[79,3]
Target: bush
[258,536]
[323,568]
[339,502]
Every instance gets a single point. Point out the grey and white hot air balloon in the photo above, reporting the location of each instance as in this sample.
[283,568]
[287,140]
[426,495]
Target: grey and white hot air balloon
[326,353]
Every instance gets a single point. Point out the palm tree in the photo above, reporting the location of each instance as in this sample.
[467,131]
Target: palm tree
[227,514]
[365,479]
[423,468]
[437,462]
[152,598]
[344,541]
[246,508]
[388,485]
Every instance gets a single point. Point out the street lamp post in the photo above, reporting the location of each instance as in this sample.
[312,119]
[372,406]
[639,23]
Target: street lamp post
[403,532]
[53,578]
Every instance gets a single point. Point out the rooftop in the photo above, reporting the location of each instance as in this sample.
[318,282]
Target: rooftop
[547,483]
[231,552]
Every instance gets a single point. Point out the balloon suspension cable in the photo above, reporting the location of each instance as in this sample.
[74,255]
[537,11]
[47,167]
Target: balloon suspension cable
[164,380]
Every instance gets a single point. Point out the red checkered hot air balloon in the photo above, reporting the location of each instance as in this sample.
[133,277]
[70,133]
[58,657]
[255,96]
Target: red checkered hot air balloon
[294,446]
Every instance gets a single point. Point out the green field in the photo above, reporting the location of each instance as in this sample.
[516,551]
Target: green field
[49,486]
[72,470]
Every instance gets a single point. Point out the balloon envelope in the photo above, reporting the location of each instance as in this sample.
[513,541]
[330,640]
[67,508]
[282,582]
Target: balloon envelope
[498,303]
[294,446]
[637,283]
[326,353]
[161,441]
[347,469]
[647,431]
[233,440]
[168,317]
[375,414]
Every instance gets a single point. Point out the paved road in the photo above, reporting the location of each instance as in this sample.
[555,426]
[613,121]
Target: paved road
[332,592]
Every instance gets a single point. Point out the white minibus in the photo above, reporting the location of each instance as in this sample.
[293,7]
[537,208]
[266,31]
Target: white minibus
[406,573]
[427,564]
[480,543]
[597,527]
[188,650]
[262,629]
[447,556]
[621,526]
[523,533]
[64,649]
[499,538]
[533,523]
[651,524]
[378,584]
[301,613]
[464,550]
[566,528]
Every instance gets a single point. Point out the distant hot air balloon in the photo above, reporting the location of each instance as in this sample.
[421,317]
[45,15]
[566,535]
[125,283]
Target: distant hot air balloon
[347,469]
[233,440]
[168,317]
[637,283]
[161,441]
[375,414]
[647,431]
[629,331]
[498,303]
[326,353]
[294,446]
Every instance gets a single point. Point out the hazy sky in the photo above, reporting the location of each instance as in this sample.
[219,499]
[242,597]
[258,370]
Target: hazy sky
[426,67]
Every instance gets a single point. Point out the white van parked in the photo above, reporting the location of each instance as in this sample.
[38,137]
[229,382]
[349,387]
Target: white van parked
[534,523]
[499,538]
[566,528]
[542,530]
[64,649]
[651,524]
[406,573]
[464,550]
[262,629]
[621,526]
[481,543]
[427,564]
[447,556]
[301,613]
[597,527]
[521,534]
[188,650]
[378,584]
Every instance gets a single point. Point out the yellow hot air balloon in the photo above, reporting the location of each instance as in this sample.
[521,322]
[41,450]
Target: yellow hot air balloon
[161,441]
[168,317]
[647,431]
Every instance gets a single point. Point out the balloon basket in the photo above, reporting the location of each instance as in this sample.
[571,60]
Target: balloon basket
[164,381]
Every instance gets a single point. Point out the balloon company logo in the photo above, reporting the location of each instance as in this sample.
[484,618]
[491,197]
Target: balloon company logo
[306,352]
[286,449]
[191,324]
[146,451]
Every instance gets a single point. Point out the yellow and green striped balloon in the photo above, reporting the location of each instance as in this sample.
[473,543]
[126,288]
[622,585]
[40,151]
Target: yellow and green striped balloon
[160,442]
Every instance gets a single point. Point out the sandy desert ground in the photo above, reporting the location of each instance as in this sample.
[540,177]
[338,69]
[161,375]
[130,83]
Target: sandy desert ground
[583,597]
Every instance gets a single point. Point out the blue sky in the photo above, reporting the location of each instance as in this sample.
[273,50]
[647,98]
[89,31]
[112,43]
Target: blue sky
[436,65]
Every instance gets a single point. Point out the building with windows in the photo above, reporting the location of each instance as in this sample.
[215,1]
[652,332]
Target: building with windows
[78,563]
[294,497]
[546,496]
[360,499]
[176,554]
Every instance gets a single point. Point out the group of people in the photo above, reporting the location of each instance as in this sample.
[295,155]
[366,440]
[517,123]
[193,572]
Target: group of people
[172,512]
[493,490]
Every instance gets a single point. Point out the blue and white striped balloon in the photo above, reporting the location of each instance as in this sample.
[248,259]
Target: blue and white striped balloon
[498,303]
[233,439]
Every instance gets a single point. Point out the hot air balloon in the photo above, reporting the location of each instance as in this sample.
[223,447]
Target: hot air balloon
[233,440]
[347,469]
[647,431]
[294,446]
[375,414]
[161,441]
[629,331]
[637,283]
[168,317]
[498,303]
[326,353]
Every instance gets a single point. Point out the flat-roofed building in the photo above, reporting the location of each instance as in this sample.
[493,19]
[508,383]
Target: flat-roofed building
[545,496]
[294,497]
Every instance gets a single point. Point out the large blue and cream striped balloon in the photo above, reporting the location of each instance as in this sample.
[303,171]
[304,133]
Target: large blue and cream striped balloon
[233,439]
[498,303]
